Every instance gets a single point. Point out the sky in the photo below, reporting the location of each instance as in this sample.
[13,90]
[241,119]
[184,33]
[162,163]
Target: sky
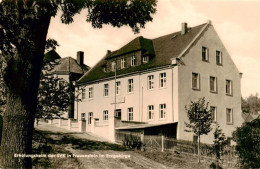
[236,22]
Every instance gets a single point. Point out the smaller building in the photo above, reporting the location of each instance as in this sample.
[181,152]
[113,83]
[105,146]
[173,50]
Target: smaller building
[70,70]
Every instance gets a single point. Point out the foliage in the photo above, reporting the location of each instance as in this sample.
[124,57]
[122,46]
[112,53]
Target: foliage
[51,44]
[251,104]
[2,86]
[247,138]
[199,116]
[218,144]
[200,119]
[53,94]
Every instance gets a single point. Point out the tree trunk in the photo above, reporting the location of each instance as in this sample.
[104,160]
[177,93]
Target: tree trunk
[22,77]
[199,150]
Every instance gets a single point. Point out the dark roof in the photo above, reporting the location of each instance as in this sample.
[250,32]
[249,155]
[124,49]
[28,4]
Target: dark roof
[165,48]
[51,56]
[69,65]
[139,43]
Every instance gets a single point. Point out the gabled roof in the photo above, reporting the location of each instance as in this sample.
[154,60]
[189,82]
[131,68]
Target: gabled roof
[51,56]
[165,49]
[69,65]
[139,43]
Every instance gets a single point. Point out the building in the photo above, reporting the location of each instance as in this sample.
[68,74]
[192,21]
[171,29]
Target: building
[68,69]
[147,83]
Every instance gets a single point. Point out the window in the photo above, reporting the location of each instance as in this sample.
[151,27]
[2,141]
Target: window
[83,116]
[130,114]
[90,93]
[213,111]
[229,116]
[228,87]
[105,115]
[130,85]
[118,84]
[105,69]
[195,81]
[162,111]
[219,58]
[145,59]
[162,80]
[113,66]
[133,60]
[122,63]
[150,112]
[90,116]
[106,89]
[213,84]
[205,54]
[150,82]
[83,96]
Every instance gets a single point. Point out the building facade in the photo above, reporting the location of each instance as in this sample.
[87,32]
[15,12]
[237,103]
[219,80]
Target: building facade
[145,85]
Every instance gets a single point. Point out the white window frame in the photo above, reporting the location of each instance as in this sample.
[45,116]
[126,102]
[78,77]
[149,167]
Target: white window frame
[130,86]
[118,87]
[150,114]
[90,117]
[105,115]
[133,60]
[162,111]
[197,87]
[122,63]
[229,115]
[83,116]
[83,94]
[130,114]
[145,59]
[106,90]
[229,88]
[205,51]
[113,66]
[214,85]
[90,92]
[218,55]
[150,81]
[162,80]
[214,113]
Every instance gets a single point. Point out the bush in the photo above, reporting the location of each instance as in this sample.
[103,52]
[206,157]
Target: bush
[132,142]
[247,138]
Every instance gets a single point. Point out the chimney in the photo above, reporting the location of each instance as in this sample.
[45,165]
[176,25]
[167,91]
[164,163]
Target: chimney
[80,57]
[108,51]
[184,28]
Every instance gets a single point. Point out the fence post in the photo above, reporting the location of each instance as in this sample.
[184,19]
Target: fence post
[142,140]
[162,143]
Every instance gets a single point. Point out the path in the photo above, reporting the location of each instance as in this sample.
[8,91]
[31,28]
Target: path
[103,159]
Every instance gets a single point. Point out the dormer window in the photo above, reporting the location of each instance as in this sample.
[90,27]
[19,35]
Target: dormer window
[113,66]
[122,63]
[105,69]
[205,54]
[145,59]
[133,60]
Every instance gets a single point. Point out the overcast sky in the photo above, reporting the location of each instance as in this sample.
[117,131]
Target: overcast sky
[236,22]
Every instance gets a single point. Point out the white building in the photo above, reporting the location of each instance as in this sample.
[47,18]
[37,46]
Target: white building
[152,80]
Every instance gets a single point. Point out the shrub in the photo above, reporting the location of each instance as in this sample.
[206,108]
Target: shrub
[132,142]
[247,140]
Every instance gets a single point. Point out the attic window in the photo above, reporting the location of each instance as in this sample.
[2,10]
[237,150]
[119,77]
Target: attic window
[145,59]
[133,60]
[113,66]
[205,54]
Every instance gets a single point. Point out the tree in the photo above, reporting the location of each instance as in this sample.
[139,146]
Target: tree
[251,104]
[53,95]
[24,26]
[200,119]
[247,138]
[218,144]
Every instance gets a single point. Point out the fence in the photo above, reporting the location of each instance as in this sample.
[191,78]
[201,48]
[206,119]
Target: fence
[162,143]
